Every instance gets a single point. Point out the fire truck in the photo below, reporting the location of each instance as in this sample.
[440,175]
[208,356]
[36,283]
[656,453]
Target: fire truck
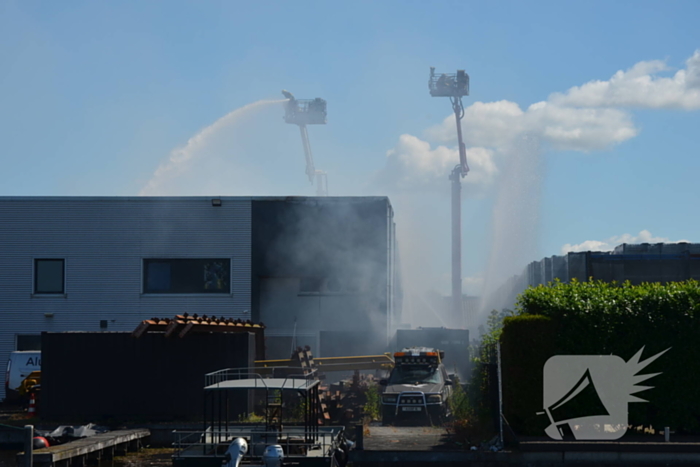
[418,389]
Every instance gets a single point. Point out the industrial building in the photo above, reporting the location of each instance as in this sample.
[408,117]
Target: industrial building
[316,271]
[636,263]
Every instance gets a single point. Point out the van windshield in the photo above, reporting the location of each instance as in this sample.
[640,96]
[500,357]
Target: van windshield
[415,374]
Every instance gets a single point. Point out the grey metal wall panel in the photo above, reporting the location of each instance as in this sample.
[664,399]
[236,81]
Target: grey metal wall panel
[608,271]
[694,268]
[674,248]
[559,268]
[536,273]
[548,270]
[578,266]
[104,241]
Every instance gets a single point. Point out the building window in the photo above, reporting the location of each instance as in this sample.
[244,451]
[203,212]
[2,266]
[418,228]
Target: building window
[49,276]
[28,341]
[186,276]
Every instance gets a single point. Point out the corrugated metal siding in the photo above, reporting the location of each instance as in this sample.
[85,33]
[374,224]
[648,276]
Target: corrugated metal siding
[104,241]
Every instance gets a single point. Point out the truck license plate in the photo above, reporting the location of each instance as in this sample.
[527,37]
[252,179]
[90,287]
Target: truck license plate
[410,409]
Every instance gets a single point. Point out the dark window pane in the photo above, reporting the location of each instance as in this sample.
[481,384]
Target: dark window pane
[158,278]
[187,276]
[216,276]
[48,276]
[29,342]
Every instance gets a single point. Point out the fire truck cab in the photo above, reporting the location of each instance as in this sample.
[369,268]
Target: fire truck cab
[418,388]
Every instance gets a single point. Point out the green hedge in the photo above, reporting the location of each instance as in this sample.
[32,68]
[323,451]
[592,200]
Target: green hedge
[526,343]
[599,318]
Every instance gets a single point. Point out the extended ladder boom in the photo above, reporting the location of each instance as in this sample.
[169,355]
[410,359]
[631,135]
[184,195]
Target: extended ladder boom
[302,112]
[310,169]
[360,362]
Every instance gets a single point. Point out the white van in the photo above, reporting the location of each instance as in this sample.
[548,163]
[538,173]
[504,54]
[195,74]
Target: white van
[19,366]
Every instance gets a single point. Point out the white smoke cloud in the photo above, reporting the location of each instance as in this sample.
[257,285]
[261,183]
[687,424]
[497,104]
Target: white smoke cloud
[610,243]
[585,118]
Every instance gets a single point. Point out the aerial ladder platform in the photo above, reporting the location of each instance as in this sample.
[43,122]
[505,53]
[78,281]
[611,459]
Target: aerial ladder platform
[455,86]
[302,112]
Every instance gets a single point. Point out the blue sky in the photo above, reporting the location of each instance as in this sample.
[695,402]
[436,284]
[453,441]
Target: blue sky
[96,96]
